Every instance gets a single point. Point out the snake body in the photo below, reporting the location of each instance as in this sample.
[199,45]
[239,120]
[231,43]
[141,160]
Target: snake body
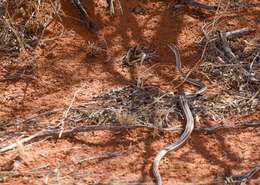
[178,143]
[183,99]
[202,86]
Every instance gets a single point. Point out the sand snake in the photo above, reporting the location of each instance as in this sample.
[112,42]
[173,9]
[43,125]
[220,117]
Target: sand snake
[183,100]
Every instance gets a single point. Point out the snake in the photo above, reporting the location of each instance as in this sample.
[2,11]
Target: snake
[183,100]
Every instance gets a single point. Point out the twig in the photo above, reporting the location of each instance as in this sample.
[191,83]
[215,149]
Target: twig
[37,171]
[87,19]
[111,7]
[47,113]
[15,32]
[215,128]
[57,36]
[65,115]
[101,156]
[239,32]
[200,5]
[226,46]
[120,7]
[243,178]
[91,128]
[252,75]
[17,76]
[231,34]
[70,132]
[137,54]
[228,65]
[253,97]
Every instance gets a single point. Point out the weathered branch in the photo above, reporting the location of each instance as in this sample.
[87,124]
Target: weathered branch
[90,128]
[243,179]
[226,46]
[86,18]
[221,127]
[102,156]
[70,132]
[200,5]
[239,32]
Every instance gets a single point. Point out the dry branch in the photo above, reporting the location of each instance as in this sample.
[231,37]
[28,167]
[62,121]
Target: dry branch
[70,132]
[239,32]
[228,51]
[243,179]
[215,128]
[40,172]
[65,114]
[200,5]
[111,7]
[90,128]
[87,19]
[229,35]
[101,156]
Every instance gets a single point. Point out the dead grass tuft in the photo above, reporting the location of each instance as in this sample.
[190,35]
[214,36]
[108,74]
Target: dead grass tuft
[230,66]
[23,22]
[124,117]
[94,50]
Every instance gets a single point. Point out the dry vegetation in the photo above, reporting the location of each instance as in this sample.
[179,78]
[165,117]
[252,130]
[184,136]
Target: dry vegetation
[237,78]
[230,63]
[23,23]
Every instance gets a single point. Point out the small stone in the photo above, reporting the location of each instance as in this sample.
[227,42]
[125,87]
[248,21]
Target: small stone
[139,10]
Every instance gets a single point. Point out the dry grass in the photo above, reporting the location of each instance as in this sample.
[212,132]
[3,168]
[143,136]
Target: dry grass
[125,118]
[128,105]
[23,22]
[237,94]
[237,79]
[94,50]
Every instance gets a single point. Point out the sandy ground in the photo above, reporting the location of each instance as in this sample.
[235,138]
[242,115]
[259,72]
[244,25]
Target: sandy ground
[62,66]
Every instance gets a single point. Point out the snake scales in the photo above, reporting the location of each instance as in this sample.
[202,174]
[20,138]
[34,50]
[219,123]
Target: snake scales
[183,99]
